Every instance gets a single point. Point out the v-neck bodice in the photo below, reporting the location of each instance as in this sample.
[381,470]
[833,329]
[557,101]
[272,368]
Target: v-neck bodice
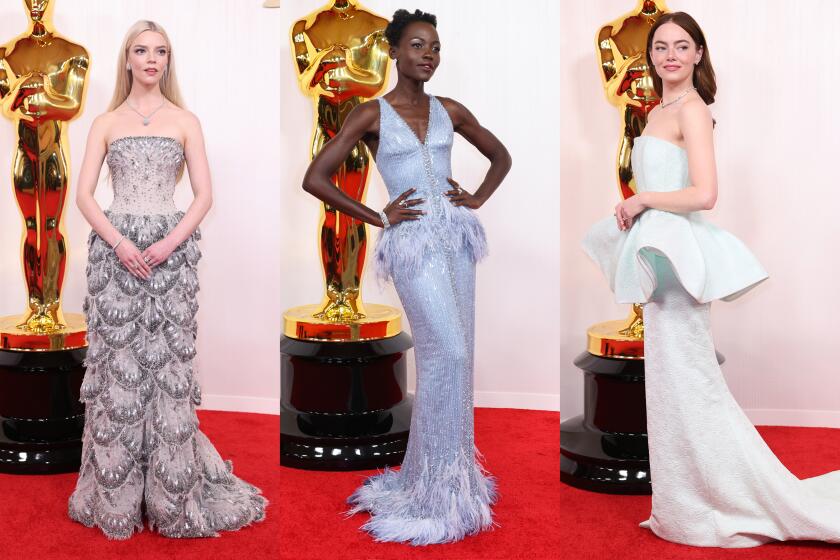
[405,162]
[425,136]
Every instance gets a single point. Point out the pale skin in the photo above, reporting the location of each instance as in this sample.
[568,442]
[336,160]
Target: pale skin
[686,123]
[148,56]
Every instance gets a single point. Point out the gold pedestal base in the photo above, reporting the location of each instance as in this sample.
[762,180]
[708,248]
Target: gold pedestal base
[73,335]
[380,321]
[616,339]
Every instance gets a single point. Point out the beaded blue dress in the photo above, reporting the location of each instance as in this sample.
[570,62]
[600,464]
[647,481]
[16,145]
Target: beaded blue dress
[441,493]
[142,449]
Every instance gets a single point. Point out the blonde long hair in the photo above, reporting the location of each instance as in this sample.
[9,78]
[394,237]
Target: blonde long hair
[168,83]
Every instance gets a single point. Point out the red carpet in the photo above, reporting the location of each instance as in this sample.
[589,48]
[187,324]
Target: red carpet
[304,520]
[599,526]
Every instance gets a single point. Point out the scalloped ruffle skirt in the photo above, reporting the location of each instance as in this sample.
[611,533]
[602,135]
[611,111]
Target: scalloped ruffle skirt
[142,449]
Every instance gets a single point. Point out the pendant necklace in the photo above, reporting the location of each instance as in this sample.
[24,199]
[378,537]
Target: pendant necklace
[680,96]
[148,118]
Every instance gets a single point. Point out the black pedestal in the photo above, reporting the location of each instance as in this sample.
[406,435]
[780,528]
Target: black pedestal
[605,449]
[344,404]
[41,418]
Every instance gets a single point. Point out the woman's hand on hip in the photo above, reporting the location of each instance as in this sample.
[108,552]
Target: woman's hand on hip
[401,208]
[460,197]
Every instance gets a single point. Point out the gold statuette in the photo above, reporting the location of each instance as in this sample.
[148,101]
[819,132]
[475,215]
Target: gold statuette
[627,84]
[42,79]
[341,57]
[626,79]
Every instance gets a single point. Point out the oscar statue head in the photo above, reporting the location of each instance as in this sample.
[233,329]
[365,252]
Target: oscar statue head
[38,10]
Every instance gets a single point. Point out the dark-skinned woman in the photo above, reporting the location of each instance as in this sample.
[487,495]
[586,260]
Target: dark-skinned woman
[430,243]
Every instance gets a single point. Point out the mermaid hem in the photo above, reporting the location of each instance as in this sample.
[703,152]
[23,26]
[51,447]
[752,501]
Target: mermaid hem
[446,507]
[142,442]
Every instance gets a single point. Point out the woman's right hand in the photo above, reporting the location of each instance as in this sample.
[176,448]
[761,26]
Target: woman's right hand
[400,209]
[132,259]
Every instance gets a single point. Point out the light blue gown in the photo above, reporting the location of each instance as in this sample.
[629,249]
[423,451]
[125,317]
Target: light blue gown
[715,482]
[441,493]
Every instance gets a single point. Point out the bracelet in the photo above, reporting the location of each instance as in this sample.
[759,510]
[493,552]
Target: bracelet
[117,244]
[384,218]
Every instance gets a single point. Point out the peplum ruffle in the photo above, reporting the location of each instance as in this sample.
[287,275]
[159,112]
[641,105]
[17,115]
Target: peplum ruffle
[709,262]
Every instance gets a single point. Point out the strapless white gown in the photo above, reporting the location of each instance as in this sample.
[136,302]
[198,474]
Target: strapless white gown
[715,481]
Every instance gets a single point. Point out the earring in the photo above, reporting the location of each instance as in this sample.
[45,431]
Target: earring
[128,67]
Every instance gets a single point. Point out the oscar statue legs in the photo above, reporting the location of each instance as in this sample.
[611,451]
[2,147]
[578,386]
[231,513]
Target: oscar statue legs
[40,189]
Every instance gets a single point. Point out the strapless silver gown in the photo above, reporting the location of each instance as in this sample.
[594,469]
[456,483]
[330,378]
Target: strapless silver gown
[441,493]
[715,482]
[142,449]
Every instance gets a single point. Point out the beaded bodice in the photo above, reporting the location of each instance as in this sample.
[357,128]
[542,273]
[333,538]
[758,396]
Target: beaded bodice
[144,170]
[405,162]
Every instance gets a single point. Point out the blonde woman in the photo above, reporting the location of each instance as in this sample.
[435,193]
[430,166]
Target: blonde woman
[143,450]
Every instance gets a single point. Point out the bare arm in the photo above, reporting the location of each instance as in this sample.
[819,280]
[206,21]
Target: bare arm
[199,171]
[362,120]
[95,152]
[485,142]
[696,124]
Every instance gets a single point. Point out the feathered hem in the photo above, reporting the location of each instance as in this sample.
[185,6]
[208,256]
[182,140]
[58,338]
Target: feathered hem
[439,507]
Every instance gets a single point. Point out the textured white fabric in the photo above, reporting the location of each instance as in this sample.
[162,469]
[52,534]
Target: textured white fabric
[711,263]
[715,481]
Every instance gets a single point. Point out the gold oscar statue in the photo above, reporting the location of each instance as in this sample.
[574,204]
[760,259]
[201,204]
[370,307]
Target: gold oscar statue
[42,353]
[42,79]
[627,83]
[341,58]
[626,79]
[343,375]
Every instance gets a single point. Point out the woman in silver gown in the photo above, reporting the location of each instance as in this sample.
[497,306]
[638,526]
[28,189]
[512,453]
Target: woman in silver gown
[429,246]
[715,481]
[142,449]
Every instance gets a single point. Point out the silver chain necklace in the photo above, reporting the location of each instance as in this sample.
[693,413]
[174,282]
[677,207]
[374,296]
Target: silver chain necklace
[680,96]
[146,118]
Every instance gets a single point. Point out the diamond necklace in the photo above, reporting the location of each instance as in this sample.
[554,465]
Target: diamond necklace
[148,118]
[680,96]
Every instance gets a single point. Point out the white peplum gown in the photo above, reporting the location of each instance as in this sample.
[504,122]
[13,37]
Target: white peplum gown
[715,481]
